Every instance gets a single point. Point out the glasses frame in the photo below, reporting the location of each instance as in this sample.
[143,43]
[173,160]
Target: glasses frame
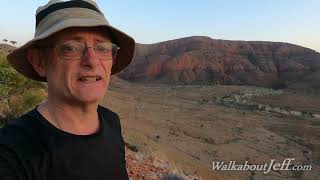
[56,47]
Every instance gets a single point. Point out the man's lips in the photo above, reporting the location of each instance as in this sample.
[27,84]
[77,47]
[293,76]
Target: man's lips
[89,78]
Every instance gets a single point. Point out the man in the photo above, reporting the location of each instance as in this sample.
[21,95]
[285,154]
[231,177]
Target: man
[69,136]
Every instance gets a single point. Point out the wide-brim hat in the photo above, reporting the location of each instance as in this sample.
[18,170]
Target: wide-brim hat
[58,15]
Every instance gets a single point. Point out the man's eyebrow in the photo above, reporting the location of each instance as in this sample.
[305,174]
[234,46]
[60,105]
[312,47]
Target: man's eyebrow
[80,38]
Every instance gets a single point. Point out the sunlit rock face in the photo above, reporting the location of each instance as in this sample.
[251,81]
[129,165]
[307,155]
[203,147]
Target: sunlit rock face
[204,60]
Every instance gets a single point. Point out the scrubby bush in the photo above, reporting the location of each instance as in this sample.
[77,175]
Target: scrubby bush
[17,93]
[4,91]
[6,116]
[32,97]
[3,61]
[6,81]
[7,76]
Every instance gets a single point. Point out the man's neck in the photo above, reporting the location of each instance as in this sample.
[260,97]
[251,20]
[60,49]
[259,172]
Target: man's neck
[79,120]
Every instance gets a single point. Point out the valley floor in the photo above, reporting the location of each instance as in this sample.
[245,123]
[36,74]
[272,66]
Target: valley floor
[185,125]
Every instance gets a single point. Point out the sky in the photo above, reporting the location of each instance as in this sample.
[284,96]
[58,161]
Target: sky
[152,21]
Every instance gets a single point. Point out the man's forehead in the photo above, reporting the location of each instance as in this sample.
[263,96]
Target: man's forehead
[78,33]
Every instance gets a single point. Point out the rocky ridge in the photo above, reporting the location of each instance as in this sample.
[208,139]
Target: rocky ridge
[201,59]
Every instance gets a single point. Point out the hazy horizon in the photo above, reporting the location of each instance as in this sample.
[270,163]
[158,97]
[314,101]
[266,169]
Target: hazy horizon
[289,21]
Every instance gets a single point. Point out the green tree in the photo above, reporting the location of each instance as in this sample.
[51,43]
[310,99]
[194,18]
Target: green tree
[13,42]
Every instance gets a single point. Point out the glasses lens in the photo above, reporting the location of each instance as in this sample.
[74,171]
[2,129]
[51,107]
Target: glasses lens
[106,50]
[74,50]
[70,50]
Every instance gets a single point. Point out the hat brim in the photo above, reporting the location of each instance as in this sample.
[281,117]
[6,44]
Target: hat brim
[18,57]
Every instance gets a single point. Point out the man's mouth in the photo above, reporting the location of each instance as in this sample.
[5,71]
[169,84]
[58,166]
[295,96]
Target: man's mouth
[90,78]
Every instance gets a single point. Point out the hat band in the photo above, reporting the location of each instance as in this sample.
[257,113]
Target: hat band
[63,5]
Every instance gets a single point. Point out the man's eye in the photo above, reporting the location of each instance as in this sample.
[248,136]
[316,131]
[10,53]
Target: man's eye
[68,49]
[103,49]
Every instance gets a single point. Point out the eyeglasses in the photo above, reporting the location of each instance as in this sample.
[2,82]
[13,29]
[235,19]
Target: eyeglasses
[75,50]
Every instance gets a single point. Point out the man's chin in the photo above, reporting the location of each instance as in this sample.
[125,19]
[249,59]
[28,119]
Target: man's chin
[88,98]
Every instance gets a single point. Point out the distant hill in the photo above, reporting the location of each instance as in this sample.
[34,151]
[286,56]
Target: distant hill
[6,48]
[201,59]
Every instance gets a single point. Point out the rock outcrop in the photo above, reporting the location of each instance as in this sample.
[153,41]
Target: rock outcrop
[204,60]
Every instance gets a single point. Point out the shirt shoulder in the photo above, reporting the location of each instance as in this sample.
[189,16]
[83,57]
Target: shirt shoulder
[110,117]
[106,111]
[21,129]
[17,144]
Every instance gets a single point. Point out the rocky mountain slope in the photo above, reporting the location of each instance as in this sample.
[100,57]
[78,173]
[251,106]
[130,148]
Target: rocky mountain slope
[201,59]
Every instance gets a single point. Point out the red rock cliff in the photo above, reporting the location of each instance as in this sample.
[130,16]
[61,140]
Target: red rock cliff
[205,60]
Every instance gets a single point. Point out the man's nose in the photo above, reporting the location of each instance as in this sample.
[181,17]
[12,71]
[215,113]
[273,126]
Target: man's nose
[90,57]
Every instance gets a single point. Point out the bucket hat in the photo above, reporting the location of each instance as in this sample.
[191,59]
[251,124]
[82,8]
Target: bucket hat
[58,15]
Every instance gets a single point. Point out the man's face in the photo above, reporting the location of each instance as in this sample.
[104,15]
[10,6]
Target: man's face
[78,81]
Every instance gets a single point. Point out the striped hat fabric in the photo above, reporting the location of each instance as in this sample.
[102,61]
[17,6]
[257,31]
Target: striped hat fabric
[58,15]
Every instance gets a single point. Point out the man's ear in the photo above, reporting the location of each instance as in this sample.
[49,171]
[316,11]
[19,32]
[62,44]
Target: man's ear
[34,58]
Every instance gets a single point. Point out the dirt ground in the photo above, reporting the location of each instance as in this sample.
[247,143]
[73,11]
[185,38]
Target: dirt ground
[184,125]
